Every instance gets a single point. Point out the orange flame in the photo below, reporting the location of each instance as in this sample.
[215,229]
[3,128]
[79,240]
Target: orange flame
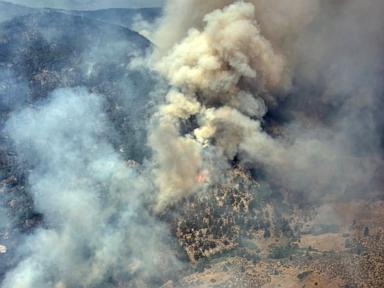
[202,177]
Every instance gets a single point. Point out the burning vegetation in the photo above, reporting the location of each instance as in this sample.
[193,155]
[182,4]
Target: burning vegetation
[240,147]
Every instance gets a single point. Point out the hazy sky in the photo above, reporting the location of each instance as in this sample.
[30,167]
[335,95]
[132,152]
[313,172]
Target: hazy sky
[88,4]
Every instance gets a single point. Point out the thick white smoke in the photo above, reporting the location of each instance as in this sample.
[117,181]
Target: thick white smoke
[207,70]
[92,201]
[228,63]
[281,21]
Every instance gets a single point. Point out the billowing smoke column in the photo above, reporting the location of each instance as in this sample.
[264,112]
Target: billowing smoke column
[279,20]
[228,64]
[222,76]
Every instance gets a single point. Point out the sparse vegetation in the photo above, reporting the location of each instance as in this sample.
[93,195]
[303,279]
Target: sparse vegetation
[281,252]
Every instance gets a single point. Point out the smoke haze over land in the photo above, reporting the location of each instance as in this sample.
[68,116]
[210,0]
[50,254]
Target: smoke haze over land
[292,90]
[89,5]
[87,195]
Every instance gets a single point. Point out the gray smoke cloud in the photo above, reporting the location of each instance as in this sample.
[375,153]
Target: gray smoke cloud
[336,126]
[93,202]
[233,65]
[292,88]
[279,20]
[213,72]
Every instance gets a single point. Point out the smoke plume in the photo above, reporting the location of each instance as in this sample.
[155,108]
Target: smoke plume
[288,88]
[232,65]
[92,200]
[222,76]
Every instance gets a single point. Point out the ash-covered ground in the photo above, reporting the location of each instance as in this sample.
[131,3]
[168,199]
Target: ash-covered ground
[202,144]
